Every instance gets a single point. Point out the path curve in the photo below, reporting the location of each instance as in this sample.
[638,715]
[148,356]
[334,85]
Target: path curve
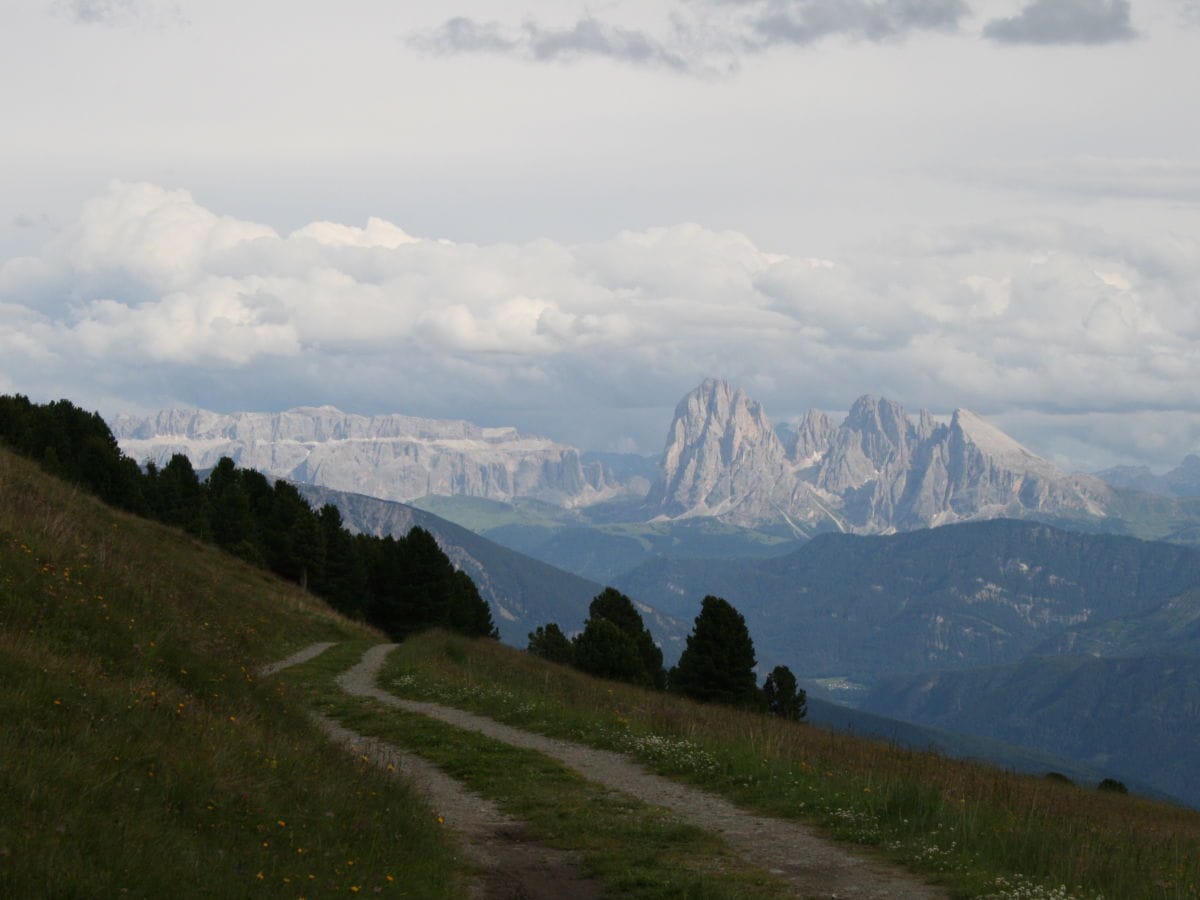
[812,865]
[513,866]
[300,656]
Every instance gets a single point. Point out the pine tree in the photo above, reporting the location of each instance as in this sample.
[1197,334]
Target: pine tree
[783,697]
[548,642]
[717,664]
[616,609]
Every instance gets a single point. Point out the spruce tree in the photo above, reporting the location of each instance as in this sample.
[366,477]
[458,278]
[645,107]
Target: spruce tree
[616,609]
[548,642]
[717,665]
[783,697]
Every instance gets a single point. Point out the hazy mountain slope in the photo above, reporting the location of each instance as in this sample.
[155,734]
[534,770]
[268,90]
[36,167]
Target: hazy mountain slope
[1182,481]
[523,592]
[1170,628]
[597,542]
[959,745]
[1139,716]
[953,597]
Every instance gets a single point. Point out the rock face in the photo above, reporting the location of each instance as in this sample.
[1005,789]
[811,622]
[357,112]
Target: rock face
[878,471]
[392,457]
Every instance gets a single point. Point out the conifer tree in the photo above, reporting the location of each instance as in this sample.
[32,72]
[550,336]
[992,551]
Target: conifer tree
[783,697]
[717,665]
[548,642]
[616,609]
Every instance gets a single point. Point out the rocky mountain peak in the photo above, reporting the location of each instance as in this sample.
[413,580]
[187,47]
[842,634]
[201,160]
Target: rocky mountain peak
[807,441]
[876,471]
[718,443]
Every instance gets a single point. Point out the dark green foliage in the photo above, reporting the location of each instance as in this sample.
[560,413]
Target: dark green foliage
[1111,785]
[717,665]
[783,697]
[74,445]
[625,651]
[400,586]
[1058,777]
[548,642]
[605,651]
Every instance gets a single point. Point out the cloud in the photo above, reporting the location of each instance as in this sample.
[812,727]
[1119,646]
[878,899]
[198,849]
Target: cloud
[1065,22]
[807,21]
[21,220]
[114,13]
[1174,181]
[149,298]
[586,37]
[701,37]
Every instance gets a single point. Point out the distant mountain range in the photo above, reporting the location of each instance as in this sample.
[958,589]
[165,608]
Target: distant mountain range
[878,471]
[392,457]
[854,609]
[1182,481]
[1078,643]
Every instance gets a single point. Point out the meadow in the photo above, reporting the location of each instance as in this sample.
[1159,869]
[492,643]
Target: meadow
[979,830]
[141,756]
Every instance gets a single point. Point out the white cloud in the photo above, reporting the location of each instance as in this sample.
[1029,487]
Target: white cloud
[150,297]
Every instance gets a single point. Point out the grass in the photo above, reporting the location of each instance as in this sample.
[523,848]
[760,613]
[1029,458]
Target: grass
[979,830]
[633,850]
[141,757]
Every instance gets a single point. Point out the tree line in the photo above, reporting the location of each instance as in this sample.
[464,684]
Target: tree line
[716,666]
[400,585]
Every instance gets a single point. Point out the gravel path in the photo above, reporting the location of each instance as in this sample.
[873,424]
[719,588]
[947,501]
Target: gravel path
[813,866]
[512,866]
[301,656]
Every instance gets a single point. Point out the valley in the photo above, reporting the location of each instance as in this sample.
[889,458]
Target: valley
[818,532]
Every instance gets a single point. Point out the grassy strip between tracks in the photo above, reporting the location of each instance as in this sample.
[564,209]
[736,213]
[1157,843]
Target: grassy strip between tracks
[633,849]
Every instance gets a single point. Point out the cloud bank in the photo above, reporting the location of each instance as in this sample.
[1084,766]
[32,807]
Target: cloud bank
[149,298]
[1065,22]
[703,37]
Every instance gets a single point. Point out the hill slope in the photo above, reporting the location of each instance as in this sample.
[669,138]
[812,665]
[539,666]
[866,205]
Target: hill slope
[140,753]
[523,592]
[1139,716]
[955,597]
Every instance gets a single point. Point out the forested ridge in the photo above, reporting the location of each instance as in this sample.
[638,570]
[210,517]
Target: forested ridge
[400,585]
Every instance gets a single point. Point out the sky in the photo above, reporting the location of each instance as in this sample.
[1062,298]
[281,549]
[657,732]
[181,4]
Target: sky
[563,216]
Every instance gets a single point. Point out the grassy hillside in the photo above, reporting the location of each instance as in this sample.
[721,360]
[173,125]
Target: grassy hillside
[983,831]
[141,755]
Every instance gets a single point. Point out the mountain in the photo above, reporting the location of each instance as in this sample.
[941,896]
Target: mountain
[522,592]
[1182,481]
[394,457]
[877,471]
[1126,715]
[858,608]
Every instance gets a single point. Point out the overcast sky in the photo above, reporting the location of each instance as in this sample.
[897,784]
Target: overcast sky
[563,216]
